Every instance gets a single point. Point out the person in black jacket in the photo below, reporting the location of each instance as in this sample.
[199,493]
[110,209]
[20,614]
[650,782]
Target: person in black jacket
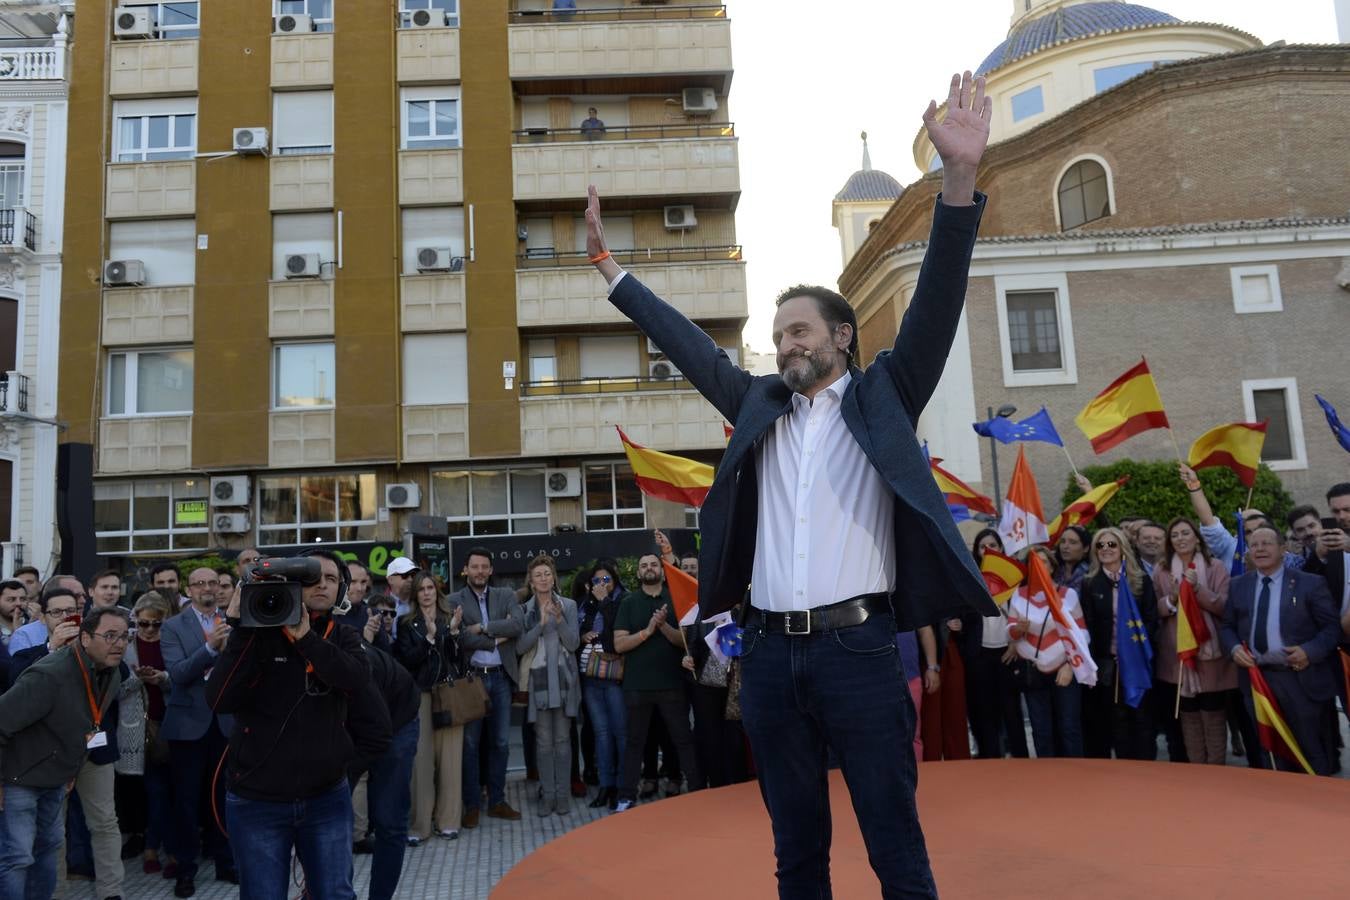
[603,696]
[1109,723]
[427,644]
[391,695]
[288,755]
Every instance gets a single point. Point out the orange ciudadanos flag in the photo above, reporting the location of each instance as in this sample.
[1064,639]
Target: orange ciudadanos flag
[683,594]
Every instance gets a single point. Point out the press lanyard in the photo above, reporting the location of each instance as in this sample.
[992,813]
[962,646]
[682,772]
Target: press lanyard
[94,711]
[309,666]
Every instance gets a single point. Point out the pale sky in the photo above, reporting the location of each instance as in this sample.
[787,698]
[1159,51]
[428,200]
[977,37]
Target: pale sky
[811,75]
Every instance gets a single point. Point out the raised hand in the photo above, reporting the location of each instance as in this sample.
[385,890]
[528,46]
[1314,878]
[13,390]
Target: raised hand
[596,249]
[961,136]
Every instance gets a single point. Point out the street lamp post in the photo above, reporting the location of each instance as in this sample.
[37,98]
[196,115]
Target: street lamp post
[1004,412]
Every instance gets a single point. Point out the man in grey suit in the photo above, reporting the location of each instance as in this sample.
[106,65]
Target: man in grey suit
[825,501]
[191,641]
[1285,622]
[493,619]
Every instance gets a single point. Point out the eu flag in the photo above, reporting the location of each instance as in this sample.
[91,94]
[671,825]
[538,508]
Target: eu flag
[1338,431]
[1240,554]
[1134,653]
[1035,427]
[729,639]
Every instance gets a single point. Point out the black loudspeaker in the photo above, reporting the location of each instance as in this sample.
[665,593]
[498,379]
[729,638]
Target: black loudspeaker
[75,510]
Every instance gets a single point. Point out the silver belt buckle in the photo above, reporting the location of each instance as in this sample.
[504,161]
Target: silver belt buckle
[792,617]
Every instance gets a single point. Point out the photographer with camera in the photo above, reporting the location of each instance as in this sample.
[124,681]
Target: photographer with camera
[286,674]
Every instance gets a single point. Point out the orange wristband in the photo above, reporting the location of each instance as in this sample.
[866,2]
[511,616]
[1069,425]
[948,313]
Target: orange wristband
[601,258]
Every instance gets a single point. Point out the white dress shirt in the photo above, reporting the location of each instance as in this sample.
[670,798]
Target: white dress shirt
[826,516]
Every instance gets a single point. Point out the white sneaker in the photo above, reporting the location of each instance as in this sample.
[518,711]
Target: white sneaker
[624,804]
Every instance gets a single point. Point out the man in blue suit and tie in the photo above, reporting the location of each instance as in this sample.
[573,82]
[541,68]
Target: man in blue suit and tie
[1285,622]
[825,501]
[191,641]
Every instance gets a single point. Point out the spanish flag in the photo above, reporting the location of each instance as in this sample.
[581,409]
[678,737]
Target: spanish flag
[1128,406]
[1192,629]
[1236,447]
[683,594]
[1085,508]
[1002,575]
[959,493]
[667,477]
[1276,738]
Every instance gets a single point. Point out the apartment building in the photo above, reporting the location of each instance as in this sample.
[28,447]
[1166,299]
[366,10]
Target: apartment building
[333,271]
[33,72]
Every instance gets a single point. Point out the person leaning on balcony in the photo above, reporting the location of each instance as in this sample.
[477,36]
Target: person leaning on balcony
[592,129]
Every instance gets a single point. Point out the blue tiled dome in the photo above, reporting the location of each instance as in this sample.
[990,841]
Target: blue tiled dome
[1069,23]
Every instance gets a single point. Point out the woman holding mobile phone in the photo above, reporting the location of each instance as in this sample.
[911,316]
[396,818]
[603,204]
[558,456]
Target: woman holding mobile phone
[143,796]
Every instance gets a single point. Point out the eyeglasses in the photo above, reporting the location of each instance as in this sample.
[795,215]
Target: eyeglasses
[211,583]
[386,613]
[61,613]
[144,625]
[115,637]
[601,579]
[1107,545]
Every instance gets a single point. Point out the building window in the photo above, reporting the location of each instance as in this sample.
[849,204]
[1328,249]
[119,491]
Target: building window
[12,177]
[1275,401]
[1035,329]
[543,355]
[321,11]
[172,19]
[149,383]
[435,369]
[609,357]
[303,233]
[151,130]
[151,516]
[613,500]
[313,509]
[303,376]
[430,118]
[1028,103]
[492,501]
[1110,76]
[302,122]
[1084,194]
[1256,289]
[435,228]
[167,247]
[451,8]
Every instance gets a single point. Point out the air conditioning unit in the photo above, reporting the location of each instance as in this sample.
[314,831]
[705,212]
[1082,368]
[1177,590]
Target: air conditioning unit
[292,24]
[230,523]
[229,491]
[438,259]
[123,272]
[302,265]
[132,22]
[424,18]
[250,140]
[653,350]
[402,496]
[680,217]
[700,100]
[663,369]
[562,482]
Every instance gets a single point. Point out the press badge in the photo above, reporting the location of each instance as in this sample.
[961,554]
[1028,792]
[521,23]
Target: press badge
[96,740]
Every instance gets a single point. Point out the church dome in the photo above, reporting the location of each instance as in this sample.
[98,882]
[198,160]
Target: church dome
[1070,23]
[868,184]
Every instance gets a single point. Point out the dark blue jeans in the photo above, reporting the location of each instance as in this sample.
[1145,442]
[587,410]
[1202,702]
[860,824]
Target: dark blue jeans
[389,798]
[319,829]
[604,708]
[803,696]
[30,841]
[1056,715]
[79,844]
[497,727]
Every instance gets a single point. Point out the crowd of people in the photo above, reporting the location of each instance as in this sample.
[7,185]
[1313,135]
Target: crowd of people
[116,703]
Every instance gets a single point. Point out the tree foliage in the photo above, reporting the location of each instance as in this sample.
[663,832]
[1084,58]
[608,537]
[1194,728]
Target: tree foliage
[1155,491]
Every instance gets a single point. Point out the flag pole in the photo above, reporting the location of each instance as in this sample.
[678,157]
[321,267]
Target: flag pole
[1176,710]
[1072,467]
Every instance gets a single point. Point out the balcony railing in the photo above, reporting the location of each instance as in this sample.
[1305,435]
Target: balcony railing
[623,133]
[18,228]
[601,386]
[543,259]
[13,393]
[33,64]
[643,12]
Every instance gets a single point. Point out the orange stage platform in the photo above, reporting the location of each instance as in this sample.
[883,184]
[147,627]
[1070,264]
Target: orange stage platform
[1004,829]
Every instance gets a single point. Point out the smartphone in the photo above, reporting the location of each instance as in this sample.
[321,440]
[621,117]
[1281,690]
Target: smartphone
[1331,524]
[73,618]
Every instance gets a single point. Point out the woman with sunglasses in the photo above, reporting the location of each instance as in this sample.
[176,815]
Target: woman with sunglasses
[601,690]
[427,645]
[993,693]
[1054,698]
[1109,723]
[143,793]
[1204,688]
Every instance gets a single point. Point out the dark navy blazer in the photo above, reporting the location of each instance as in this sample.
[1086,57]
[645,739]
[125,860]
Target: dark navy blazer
[936,578]
[1309,618]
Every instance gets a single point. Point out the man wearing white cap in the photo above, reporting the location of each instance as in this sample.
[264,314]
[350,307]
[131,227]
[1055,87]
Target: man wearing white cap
[399,575]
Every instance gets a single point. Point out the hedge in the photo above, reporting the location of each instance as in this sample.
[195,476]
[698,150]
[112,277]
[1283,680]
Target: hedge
[1155,491]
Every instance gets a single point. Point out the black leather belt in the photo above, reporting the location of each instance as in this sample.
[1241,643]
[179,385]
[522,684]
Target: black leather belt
[483,670]
[844,614]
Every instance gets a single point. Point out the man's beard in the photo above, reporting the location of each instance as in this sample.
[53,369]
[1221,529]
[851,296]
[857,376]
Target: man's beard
[650,578]
[800,378]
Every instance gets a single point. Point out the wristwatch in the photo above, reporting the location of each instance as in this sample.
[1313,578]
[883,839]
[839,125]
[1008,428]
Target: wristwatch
[935,668]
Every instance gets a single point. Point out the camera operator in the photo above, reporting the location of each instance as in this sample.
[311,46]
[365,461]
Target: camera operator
[288,689]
